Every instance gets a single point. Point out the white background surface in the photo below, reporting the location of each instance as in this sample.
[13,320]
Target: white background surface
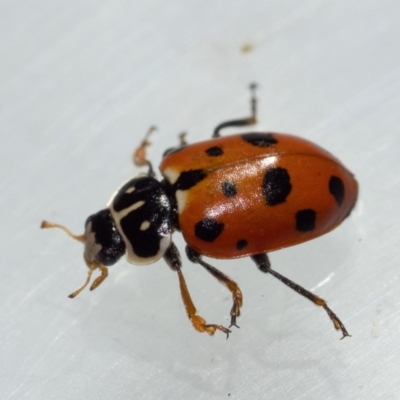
[80,83]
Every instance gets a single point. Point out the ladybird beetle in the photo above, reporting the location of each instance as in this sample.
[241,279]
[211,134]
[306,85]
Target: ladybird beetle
[234,196]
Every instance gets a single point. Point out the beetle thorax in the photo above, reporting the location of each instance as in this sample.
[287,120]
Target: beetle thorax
[142,211]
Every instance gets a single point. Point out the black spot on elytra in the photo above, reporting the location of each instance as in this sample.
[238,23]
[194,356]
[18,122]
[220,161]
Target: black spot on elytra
[351,209]
[208,229]
[188,179]
[241,244]
[276,185]
[228,188]
[214,151]
[260,139]
[336,188]
[305,220]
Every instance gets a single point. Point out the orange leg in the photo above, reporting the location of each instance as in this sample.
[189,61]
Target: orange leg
[232,286]
[173,259]
[139,155]
[198,322]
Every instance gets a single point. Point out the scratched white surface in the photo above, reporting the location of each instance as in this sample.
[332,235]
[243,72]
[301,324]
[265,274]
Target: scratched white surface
[80,82]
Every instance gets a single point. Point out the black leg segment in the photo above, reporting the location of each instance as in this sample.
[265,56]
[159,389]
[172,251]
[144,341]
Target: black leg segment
[264,265]
[172,257]
[243,121]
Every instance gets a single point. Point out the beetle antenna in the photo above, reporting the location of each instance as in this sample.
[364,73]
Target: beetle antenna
[92,265]
[48,225]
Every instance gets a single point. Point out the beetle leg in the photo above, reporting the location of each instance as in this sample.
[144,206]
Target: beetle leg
[264,265]
[173,259]
[182,140]
[139,155]
[225,280]
[243,121]
[182,143]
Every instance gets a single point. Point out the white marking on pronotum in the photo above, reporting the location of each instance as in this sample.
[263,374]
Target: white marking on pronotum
[123,213]
[142,175]
[145,225]
[130,190]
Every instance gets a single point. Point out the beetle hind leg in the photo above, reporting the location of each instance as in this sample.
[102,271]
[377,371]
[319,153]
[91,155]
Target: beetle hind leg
[243,121]
[264,265]
[225,280]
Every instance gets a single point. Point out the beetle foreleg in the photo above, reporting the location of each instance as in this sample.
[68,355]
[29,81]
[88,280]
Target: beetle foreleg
[172,258]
